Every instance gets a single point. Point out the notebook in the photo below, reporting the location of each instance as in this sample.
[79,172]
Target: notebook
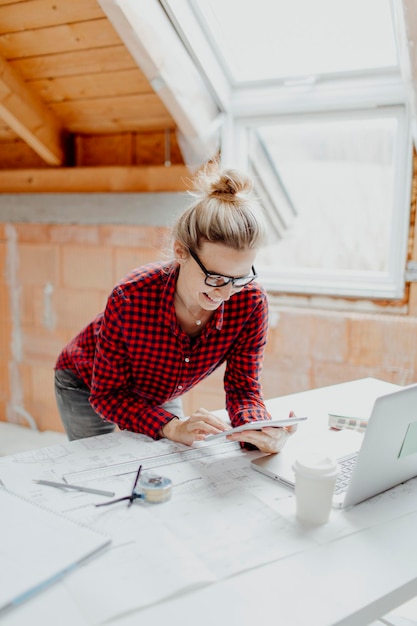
[385,455]
[37,547]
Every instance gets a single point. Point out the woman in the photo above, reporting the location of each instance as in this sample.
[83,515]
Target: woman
[167,326]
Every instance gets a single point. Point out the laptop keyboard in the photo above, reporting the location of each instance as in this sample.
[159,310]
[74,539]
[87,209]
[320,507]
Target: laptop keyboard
[345,471]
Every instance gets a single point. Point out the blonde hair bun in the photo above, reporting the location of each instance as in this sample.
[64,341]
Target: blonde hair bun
[227,183]
[224,211]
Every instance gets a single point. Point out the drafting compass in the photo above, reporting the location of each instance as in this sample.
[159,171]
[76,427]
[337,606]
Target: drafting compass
[150,488]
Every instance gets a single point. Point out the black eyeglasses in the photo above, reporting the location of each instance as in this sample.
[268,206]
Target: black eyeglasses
[218,280]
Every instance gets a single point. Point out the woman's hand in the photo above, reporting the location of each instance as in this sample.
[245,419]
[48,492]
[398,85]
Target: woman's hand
[270,440]
[195,428]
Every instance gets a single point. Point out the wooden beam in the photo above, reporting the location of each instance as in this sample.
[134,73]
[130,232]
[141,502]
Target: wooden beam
[96,179]
[28,117]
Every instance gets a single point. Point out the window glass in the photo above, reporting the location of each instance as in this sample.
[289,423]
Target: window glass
[270,39]
[339,176]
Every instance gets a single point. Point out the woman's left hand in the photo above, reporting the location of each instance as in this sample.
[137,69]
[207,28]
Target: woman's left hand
[270,440]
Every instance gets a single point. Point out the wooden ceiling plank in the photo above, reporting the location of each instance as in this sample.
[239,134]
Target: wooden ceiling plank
[18,155]
[128,111]
[95,179]
[101,85]
[111,59]
[131,104]
[117,149]
[29,118]
[80,36]
[43,13]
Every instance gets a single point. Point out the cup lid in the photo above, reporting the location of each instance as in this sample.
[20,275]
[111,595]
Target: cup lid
[316,464]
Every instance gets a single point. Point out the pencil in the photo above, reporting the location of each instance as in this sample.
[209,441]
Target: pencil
[51,483]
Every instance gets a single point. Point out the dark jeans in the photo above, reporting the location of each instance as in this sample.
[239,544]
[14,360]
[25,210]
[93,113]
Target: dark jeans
[78,416]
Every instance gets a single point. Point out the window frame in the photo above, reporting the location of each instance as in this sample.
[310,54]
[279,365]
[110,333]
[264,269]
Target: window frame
[243,104]
[389,284]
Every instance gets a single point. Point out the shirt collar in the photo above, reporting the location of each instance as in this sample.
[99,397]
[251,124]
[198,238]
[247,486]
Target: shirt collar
[166,310]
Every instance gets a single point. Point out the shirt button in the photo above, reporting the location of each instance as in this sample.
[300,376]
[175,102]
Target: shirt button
[179,387]
[187,360]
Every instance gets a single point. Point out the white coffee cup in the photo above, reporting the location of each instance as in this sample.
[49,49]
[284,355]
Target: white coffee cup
[315,479]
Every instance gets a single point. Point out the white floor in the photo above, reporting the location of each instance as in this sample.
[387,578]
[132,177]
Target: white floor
[14,438]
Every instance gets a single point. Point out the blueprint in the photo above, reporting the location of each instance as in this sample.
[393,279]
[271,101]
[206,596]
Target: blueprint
[223,517]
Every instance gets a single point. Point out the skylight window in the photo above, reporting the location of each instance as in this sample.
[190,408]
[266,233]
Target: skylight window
[308,96]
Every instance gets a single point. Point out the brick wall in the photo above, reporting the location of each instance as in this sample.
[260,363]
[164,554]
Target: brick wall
[55,277]
[312,348]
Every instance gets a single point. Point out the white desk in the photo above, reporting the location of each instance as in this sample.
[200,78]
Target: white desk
[348,572]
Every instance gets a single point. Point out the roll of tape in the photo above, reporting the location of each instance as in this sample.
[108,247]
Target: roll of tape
[154,489]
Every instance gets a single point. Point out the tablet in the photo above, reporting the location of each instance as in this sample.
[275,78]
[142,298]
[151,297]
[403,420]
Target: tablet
[258,425]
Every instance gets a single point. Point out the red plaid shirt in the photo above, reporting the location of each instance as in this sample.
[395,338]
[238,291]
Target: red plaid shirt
[134,356]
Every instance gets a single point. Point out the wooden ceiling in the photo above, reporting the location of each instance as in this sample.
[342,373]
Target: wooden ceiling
[76,112]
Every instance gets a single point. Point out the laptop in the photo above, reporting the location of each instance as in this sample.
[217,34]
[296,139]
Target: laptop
[384,456]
